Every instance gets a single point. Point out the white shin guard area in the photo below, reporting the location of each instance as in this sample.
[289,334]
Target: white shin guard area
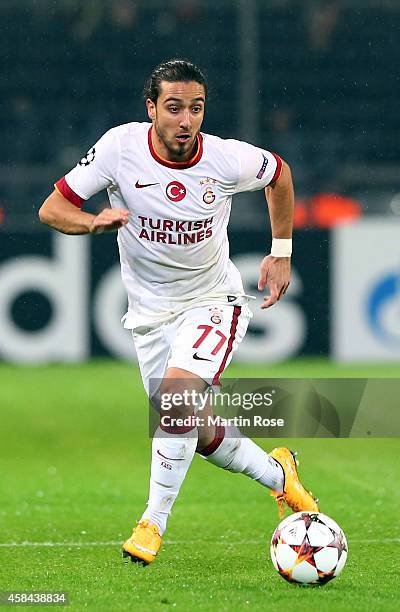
[171,457]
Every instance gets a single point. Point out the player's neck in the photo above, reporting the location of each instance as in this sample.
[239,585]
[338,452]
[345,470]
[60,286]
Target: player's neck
[164,153]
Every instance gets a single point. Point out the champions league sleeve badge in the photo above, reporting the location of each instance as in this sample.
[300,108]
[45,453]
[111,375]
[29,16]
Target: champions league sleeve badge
[88,158]
[216,315]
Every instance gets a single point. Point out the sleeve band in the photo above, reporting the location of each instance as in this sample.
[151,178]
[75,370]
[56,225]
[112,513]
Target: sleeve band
[278,170]
[65,190]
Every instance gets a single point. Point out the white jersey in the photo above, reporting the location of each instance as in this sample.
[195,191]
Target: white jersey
[174,250]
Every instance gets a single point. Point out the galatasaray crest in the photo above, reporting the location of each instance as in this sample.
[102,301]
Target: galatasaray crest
[216,315]
[208,195]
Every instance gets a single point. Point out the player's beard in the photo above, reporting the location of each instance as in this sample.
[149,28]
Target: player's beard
[178,151]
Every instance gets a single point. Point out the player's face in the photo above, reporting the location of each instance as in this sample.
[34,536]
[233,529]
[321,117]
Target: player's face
[177,117]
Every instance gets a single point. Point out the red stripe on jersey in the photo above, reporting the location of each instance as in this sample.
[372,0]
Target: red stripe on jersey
[278,170]
[212,447]
[177,165]
[235,318]
[65,190]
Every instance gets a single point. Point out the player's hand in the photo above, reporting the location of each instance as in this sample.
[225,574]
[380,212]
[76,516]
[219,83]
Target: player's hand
[274,273]
[109,220]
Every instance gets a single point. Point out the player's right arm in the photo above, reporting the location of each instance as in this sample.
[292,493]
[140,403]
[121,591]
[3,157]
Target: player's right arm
[96,171]
[259,169]
[60,214]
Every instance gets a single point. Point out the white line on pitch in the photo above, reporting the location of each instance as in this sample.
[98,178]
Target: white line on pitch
[180,543]
[54,544]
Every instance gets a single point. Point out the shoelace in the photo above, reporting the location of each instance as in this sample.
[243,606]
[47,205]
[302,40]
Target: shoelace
[145,524]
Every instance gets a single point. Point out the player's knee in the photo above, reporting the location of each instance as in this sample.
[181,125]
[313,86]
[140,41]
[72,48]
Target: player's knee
[174,399]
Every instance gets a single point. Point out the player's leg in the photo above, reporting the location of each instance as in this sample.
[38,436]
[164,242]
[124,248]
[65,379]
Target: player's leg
[232,451]
[277,470]
[174,443]
[205,343]
[173,447]
[153,352]
[201,346]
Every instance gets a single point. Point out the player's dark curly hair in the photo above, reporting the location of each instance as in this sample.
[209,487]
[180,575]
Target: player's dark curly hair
[173,70]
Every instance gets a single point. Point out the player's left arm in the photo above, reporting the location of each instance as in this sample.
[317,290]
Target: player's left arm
[275,268]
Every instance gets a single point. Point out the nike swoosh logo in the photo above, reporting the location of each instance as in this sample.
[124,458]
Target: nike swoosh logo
[195,356]
[168,458]
[140,186]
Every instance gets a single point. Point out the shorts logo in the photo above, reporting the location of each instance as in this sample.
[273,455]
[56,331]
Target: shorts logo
[216,316]
[262,169]
[209,196]
[196,356]
[175,191]
[89,157]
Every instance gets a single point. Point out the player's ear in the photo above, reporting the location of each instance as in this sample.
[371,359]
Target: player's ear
[151,109]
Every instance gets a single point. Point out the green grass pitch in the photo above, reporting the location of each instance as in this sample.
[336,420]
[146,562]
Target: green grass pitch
[74,465]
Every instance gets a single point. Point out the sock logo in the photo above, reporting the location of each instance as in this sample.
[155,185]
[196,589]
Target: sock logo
[168,458]
[166,465]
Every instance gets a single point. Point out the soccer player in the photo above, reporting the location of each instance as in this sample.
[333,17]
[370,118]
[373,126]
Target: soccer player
[170,188]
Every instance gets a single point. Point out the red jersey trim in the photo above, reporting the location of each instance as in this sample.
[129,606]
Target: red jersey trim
[235,318]
[177,165]
[278,170]
[65,190]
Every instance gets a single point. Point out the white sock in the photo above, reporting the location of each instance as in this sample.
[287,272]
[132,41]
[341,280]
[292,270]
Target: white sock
[236,453]
[171,457]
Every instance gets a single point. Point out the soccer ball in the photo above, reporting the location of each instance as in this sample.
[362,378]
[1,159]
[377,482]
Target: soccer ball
[308,548]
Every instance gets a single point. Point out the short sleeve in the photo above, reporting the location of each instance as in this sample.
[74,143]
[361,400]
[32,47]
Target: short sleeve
[257,167]
[97,170]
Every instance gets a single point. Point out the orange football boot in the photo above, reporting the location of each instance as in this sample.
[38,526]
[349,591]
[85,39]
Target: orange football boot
[143,545]
[294,494]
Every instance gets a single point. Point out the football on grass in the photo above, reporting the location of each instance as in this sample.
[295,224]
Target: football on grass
[308,548]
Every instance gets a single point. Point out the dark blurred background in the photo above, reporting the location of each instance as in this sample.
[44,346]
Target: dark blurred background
[317,81]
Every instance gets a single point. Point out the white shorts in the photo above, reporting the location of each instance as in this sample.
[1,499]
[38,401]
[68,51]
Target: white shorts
[201,341]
